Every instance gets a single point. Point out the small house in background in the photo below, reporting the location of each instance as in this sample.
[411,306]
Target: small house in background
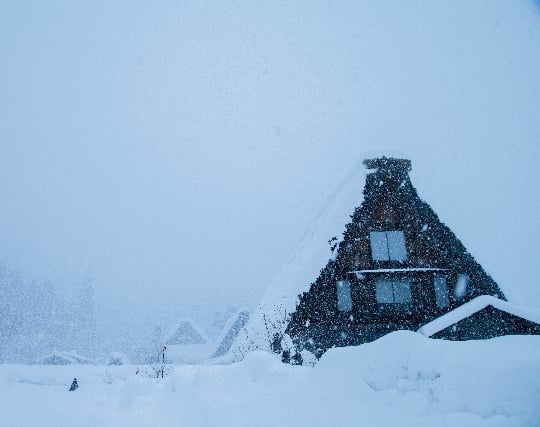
[64,358]
[117,358]
[397,267]
[187,343]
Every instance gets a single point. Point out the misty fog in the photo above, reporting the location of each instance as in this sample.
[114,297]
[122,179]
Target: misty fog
[162,160]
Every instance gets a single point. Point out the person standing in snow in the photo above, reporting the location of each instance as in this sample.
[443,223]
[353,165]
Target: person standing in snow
[74,385]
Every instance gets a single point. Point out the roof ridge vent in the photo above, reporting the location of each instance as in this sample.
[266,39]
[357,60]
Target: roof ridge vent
[389,165]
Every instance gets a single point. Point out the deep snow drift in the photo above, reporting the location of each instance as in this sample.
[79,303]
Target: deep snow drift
[402,379]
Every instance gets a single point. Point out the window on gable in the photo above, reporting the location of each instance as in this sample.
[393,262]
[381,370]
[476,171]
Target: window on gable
[344,301]
[461,285]
[388,246]
[393,291]
[441,291]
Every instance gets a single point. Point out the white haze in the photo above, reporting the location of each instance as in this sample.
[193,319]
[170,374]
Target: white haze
[179,150]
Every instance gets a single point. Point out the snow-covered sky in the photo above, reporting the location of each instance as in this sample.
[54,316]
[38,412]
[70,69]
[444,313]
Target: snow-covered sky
[179,150]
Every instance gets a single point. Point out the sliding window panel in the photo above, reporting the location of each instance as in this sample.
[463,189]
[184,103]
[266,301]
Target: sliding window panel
[344,300]
[396,246]
[379,245]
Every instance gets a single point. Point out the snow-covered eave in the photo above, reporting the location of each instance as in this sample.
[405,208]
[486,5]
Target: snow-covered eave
[474,306]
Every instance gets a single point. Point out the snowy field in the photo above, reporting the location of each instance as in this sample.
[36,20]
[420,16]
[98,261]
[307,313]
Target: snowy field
[402,379]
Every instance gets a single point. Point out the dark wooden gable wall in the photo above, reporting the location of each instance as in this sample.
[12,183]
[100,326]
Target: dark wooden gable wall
[433,253]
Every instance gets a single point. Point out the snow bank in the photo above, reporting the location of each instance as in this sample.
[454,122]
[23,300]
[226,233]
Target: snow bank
[401,379]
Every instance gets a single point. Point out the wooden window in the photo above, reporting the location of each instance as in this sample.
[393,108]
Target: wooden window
[344,300]
[388,246]
[461,285]
[393,291]
[441,291]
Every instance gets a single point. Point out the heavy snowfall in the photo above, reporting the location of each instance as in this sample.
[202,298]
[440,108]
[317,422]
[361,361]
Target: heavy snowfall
[171,175]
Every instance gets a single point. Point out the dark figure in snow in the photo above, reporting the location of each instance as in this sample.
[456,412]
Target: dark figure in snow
[74,385]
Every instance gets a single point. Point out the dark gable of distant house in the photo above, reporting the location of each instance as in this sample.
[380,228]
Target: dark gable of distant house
[397,267]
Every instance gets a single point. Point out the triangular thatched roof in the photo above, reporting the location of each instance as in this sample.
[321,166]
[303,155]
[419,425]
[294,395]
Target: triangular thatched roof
[395,237]
[187,333]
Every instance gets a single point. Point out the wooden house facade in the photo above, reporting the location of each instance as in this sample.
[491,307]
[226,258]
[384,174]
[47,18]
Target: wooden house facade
[397,267]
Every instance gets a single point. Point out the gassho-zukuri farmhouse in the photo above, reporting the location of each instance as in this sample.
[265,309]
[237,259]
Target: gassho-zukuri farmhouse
[399,267]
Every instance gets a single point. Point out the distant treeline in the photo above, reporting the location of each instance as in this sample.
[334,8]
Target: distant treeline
[36,321]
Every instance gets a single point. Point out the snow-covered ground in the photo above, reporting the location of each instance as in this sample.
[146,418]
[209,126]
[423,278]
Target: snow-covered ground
[402,379]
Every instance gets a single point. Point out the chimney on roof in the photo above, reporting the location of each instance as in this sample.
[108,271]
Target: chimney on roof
[389,171]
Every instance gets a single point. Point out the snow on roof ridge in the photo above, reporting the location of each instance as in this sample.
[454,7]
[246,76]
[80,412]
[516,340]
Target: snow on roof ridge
[471,307]
[231,320]
[304,264]
[228,329]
